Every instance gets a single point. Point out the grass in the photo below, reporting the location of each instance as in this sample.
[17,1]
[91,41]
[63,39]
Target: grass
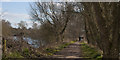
[51,51]
[15,55]
[26,51]
[90,52]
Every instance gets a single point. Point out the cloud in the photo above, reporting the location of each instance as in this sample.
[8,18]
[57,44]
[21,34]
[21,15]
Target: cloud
[6,0]
[21,16]
[15,18]
[18,0]
[67,0]
[0,10]
[29,24]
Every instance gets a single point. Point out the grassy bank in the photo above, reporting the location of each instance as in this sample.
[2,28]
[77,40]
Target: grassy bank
[29,53]
[90,52]
[25,53]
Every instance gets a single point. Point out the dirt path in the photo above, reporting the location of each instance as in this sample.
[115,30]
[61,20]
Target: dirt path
[71,51]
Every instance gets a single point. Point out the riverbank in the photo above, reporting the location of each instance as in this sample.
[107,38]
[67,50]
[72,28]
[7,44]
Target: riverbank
[71,49]
[21,49]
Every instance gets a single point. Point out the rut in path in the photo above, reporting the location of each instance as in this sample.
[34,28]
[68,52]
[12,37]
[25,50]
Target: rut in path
[71,51]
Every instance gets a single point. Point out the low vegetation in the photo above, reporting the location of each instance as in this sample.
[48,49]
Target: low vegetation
[90,52]
[26,52]
[15,55]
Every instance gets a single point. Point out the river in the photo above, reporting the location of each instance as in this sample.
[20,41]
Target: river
[34,43]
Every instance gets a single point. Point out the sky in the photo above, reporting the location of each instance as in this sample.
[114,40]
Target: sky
[0,5]
[61,0]
[15,12]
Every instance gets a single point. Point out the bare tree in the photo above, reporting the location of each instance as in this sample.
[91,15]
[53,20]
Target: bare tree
[22,24]
[56,14]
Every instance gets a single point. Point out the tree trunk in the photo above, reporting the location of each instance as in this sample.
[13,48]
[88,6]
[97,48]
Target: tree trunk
[107,25]
[113,55]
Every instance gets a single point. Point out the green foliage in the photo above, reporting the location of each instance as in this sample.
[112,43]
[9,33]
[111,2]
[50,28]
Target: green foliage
[49,53]
[26,51]
[90,52]
[72,42]
[63,46]
[50,50]
[15,55]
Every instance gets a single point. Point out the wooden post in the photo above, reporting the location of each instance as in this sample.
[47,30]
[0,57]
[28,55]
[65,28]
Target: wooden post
[4,45]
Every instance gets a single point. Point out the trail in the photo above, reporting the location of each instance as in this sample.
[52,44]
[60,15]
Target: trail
[71,51]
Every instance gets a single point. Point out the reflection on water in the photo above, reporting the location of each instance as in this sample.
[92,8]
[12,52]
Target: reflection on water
[32,42]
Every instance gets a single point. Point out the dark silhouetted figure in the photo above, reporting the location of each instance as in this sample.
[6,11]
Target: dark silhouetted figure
[80,38]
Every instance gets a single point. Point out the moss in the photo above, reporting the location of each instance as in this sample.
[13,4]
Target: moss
[49,50]
[98,57]
[63,45]
[90,52]
[50,54]
[72,42]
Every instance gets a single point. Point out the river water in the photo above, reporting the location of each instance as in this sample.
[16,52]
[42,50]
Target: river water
[34,43]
